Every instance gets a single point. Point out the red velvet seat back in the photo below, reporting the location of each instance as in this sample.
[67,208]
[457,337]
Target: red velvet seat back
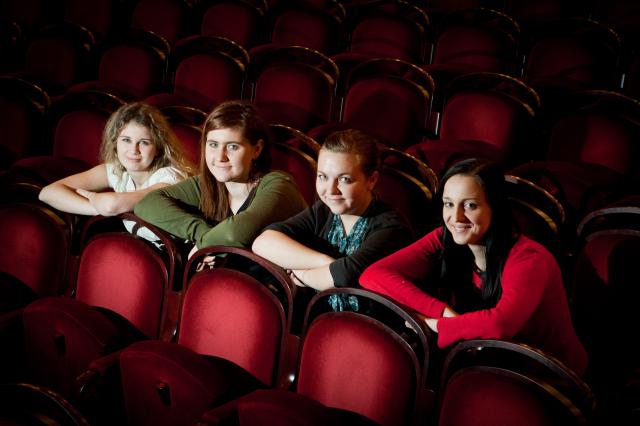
[306,27]
[603,303]
[78,135]
[22,122]
[167,18]
[388,36]
[489,396]
[121,273]
[295,94]
[97,16]
[206,80]
[565,60]
[189,137]
[35,247]
[389,107]
[476,48]
[356,363]
[487,117]
[229,314]
[143,74]
[299,165]
[236,20]
[54,61]
[16,128]
[167,384]
[61,337]
[408,196]
[597,137]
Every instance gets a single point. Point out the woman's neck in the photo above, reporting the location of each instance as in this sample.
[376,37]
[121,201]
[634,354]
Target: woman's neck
[238,193]
[139,178]
[480,255]
[348,220]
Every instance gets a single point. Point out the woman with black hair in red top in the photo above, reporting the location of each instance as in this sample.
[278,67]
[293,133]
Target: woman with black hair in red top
[492,282]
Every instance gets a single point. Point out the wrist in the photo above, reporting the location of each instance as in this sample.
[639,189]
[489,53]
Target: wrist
[301,276]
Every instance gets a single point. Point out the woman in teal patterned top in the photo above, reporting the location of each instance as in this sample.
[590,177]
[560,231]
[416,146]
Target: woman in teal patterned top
[330,243]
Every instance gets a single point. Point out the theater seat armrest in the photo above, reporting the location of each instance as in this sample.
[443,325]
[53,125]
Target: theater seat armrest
[88,381]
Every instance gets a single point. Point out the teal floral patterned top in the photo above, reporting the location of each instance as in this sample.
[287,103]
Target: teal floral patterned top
[346,244]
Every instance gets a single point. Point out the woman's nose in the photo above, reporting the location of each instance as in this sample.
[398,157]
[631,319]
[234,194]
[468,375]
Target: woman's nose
[460,216]
[221,154]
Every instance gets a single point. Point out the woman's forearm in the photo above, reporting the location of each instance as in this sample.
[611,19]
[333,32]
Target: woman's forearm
[316,278]
[64,198]
[287,252]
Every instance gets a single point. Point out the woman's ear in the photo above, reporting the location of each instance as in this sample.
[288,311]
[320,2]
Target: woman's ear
[257,149]
[373,180]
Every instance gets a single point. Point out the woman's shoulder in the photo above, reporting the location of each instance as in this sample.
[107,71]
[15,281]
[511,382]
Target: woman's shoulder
[276,176]
[526,249]
[383,211]
[524,244]
[167,174]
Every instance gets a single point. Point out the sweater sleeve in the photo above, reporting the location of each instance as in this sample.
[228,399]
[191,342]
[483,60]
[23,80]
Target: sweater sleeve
[175,209]
[387,235]
[526,273]
[395,275]
[277,198]
[304,226]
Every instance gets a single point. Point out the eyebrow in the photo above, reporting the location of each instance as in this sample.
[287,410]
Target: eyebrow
[464,199]
[340,175]
[129,137]
[226,143]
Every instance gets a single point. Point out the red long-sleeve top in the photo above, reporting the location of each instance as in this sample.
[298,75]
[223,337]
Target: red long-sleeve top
[533,308]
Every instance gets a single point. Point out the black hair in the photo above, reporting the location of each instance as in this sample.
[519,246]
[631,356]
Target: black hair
[458,261]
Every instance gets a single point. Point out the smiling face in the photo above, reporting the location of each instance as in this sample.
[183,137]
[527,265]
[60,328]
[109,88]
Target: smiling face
[135,148]
[465,210]
[342,185]
[229,155]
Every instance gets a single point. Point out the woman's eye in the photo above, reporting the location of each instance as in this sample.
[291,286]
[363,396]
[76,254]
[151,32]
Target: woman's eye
[213,144]
[447,204]
[145,143]
[233,147]
[345,179]
[125,140]
[321,177]
[471,206]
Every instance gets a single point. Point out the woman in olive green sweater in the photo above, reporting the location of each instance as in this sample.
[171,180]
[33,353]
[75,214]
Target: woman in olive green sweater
[234,196]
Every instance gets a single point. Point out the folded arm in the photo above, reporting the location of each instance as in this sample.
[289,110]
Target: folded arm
[63,194]
[524,279]
[395,275]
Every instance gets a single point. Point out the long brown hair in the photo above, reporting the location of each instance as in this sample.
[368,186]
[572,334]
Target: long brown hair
[243,116]
[168,148]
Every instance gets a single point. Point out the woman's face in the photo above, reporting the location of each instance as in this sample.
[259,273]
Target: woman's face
[229,155]
[465,210]
[342,185]
[135,148]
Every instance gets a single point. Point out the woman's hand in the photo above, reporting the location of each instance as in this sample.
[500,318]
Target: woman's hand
[297,277]
[432,323]
[103,202]
[449,313]
[207,261]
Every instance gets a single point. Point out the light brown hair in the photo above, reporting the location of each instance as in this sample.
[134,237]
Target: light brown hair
[168,148]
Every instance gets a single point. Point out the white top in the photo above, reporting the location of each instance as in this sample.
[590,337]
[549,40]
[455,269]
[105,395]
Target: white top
[125,183]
